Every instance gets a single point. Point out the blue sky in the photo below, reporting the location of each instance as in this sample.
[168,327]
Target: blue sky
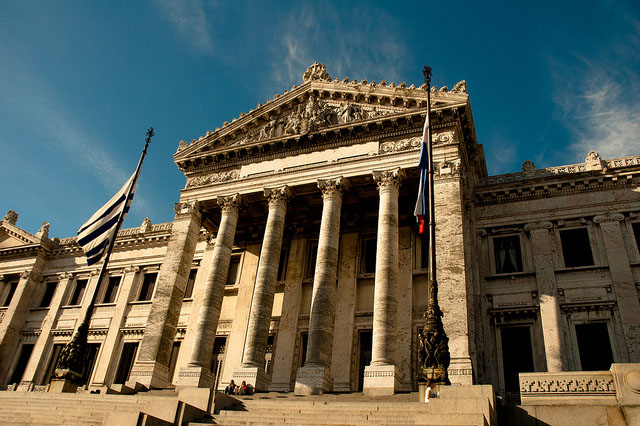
[80,82]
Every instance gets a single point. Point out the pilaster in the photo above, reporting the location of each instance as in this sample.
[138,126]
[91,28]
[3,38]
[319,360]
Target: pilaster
[151,369]
[623,282]
[553,333]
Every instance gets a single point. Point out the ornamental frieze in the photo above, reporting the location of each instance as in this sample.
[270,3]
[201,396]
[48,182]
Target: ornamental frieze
[210,178]
[414,142]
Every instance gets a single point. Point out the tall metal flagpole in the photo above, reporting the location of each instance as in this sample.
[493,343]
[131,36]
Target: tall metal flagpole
[433,352]
[73,357]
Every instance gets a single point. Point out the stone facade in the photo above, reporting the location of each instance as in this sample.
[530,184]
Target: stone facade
[293,260]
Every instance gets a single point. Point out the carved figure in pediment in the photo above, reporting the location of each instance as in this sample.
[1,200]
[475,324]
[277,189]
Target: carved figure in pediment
[316,72]
[345,113]
[11,217]
[593,161]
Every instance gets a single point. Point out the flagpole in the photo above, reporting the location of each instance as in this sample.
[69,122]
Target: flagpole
[433,353]
[72,358]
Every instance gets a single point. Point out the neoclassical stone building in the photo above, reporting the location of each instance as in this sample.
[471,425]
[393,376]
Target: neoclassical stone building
[293,260]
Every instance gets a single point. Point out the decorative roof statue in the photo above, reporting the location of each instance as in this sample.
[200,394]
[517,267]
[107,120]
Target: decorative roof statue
[594,162]
[43,232]
[528,170]
[11,217]
[316,72]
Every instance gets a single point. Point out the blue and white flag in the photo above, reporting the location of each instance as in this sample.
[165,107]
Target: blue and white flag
[96,234]
[423,189]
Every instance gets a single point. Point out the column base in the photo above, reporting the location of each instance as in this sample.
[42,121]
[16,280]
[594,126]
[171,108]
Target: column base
[146,375]
[62,386]
[460,371]
[197,377]
[254,376]
[313,380]
[381,380]
[25,386]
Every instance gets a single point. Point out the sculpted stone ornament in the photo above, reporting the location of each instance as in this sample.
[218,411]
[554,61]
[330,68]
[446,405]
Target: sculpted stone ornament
[212,178]
[43,232]
[388,179]
[231,202]
[330,186]
[460,87]
[278,195]
[528,170]
[316,72]
[146,225]
[11,217]
[594,162]
[73,357]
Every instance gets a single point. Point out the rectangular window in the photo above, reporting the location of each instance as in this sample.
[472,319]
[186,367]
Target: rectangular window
[368,263]
[282,265]
[25,354]
[594,346]
[507,254]
[636,233]
[191,282]
[111,291]
[517,355]
[576,247]
[92,355]
[232,275]
[147,287]
[78,292]
[424,250]
[49,291]
[127,357]
[53,361]
[12,289]
[312,255]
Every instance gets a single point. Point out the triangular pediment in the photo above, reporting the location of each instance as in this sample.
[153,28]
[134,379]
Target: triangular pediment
[11,236]
[318,105]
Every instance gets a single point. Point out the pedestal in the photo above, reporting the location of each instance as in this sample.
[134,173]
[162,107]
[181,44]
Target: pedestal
[198,377]
[381,380]
[62,386]
[146,375]
[313,380]
[254,376]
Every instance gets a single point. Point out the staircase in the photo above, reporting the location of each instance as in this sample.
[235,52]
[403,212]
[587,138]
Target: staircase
[452,408]
[82,409]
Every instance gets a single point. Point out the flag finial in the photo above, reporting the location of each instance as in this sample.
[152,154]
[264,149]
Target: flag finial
[149,134]
[427,74]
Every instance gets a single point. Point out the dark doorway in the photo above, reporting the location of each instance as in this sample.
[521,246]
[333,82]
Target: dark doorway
[53,361]
[594,346]
[92,355]
[127,357]
[365,339]
[304,340]
[173,360]
[217,358]
[25,354]
[517,355]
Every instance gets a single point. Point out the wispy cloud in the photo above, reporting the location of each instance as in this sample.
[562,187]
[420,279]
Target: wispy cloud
[598,98]
[317,32]
[189,20]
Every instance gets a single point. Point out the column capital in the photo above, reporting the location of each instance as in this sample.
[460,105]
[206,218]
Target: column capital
[331,186]
[538,226]
[186,209]
[230,202]
[131,269]
[388,179]
[2,277]
[278,195]
[608,217]
[65,275]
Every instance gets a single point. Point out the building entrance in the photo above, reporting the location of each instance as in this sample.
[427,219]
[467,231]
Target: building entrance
[365,341]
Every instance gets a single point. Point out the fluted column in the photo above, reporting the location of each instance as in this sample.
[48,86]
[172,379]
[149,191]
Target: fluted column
[197,372]
[252,370]
[623,284]
[315,376]
[382,377]
[554,343]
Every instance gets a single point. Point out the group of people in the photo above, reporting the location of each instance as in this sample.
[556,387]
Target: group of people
[243,389]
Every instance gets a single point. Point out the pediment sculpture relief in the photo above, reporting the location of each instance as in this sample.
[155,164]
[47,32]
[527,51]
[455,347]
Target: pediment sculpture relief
[309,117]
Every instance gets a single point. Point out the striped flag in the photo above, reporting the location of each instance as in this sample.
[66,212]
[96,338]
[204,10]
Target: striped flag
[423,189]
[96,234]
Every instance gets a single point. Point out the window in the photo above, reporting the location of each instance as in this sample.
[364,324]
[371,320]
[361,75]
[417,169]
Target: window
[310,265]
[49,291]
[232,275]
[191,281]
[78,292]
[424,250]
[368,263]
[282,265]
[507,254]
[576,247]
[9,294]
[636,233]
[25,354]
[594,346]
[53,361]
[147,287]
[129,350]
[111,291]
[517,355]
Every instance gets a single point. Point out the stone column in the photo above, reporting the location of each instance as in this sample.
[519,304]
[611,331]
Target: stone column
[315,376]
[37,364]
[623,283]
[198,372]
[15,314]
[382,376]
[553,333]
[109,354]
[151,369]
[252,370]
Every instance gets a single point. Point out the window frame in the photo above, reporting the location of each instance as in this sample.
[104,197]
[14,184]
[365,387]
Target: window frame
[494,254]
[591,245]
[142,284]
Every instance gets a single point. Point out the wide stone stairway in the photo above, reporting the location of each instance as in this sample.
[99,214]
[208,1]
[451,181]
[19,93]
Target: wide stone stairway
[475,407]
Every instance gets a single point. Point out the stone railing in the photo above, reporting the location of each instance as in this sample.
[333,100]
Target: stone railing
[568,387]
